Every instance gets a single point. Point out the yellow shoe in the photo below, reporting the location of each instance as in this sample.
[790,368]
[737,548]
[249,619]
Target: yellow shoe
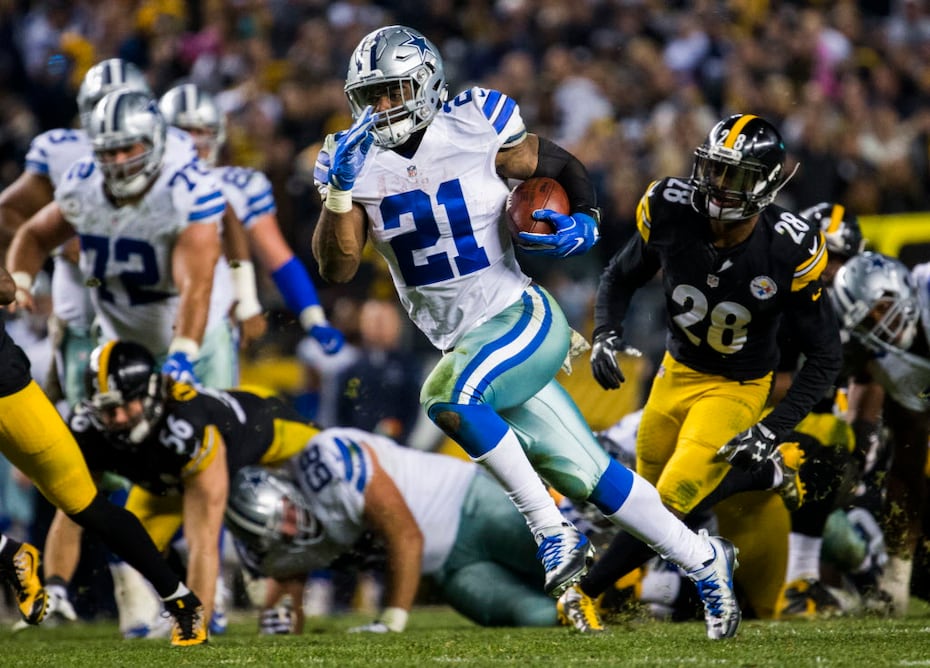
[189,627]
[578,611]
[22,574]
[807,597]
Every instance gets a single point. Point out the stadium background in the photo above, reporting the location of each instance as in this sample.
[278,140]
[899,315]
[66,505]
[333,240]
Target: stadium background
[630,86]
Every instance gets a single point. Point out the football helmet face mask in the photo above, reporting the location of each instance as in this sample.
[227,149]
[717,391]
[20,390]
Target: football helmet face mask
[266,509]
[739,168]
[120,372]
[875,299]
[401,64]
[121,120]
[194,110]
[105,77]
[840,228]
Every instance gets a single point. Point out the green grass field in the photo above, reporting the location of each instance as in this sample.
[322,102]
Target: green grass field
[439,637]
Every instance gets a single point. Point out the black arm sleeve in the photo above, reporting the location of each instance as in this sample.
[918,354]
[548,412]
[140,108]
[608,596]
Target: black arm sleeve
[630,268]
[557,163]
[814,326]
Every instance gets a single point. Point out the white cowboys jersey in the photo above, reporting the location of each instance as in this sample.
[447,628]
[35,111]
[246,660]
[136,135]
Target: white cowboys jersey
[248,192]
[437,218]
[334,471]
[50,155]
[905,376]
[126,251]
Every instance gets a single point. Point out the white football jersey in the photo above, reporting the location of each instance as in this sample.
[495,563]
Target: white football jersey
[248,193]
[126,251]
[906,376]
[437,218]
[50,155]
[333,473]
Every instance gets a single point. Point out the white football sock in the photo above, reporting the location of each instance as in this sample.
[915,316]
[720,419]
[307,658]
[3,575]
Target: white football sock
[645,516]
[803,557]
[509,465]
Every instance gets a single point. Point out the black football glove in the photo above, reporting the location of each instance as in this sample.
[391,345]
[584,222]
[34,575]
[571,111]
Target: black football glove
[604,363]
[747,450]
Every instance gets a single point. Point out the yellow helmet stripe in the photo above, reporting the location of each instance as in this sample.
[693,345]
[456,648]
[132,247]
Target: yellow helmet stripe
[737,129]
[836,217]
[103,365]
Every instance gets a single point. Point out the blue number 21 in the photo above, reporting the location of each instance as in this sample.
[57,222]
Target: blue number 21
[438,268]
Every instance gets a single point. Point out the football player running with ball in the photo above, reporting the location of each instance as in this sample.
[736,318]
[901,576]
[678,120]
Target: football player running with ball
[734,266]
[426,180]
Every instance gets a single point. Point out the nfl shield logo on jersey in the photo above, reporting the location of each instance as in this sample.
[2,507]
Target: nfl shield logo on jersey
[763,287]
[412,171]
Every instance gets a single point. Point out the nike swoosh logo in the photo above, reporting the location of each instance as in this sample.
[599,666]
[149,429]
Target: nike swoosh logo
[813,249]
[578,242]
[726,265]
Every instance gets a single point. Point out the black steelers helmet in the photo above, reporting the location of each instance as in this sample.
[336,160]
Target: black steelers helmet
[739,168]
[840,228]
[118,372]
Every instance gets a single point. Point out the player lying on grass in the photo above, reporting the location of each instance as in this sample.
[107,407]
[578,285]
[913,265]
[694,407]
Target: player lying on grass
[354,496]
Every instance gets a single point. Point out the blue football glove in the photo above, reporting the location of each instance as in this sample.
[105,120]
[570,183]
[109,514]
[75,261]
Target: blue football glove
[330,338]
[351,148]
[749,449]
[180,368]
[574,235]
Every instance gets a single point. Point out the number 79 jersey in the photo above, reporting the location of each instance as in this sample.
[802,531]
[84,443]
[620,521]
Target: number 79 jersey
[725,304]
[436,217]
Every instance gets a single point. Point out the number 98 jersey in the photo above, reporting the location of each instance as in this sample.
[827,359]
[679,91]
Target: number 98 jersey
[724,305]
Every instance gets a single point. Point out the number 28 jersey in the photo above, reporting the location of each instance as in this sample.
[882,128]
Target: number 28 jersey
[436,216]
[724,305]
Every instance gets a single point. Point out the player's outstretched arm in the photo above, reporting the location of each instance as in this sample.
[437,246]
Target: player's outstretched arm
[205,495]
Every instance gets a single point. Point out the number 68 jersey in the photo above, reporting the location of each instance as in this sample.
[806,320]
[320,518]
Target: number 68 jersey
[126,250]
[724,305]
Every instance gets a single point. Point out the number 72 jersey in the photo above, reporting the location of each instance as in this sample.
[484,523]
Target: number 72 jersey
[126,251]
[725,304]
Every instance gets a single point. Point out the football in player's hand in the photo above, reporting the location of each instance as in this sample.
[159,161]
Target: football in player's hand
[540,192]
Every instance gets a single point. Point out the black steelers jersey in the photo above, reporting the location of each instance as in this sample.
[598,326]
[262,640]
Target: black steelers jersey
[14,365]
[185,440]
[725,305]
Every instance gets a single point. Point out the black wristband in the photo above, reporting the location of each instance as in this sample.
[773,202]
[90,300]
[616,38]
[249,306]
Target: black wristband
[557,163]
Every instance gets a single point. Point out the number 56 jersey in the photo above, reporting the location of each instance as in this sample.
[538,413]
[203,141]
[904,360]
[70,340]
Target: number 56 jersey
[436,216]
[724,305]
[126,251]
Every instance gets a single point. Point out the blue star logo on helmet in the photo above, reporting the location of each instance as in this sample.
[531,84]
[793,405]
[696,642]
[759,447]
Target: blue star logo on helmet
[418,42]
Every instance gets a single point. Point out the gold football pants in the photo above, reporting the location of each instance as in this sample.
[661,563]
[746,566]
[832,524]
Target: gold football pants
[689,415]
[38,442]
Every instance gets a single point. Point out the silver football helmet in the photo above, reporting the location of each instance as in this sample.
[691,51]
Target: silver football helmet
[120,120]
[266,509]
[105,77]
[401,63]
[840,228]
[191,108]
[875,299]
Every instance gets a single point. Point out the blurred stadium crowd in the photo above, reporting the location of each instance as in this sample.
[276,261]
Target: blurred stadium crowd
[628,86]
